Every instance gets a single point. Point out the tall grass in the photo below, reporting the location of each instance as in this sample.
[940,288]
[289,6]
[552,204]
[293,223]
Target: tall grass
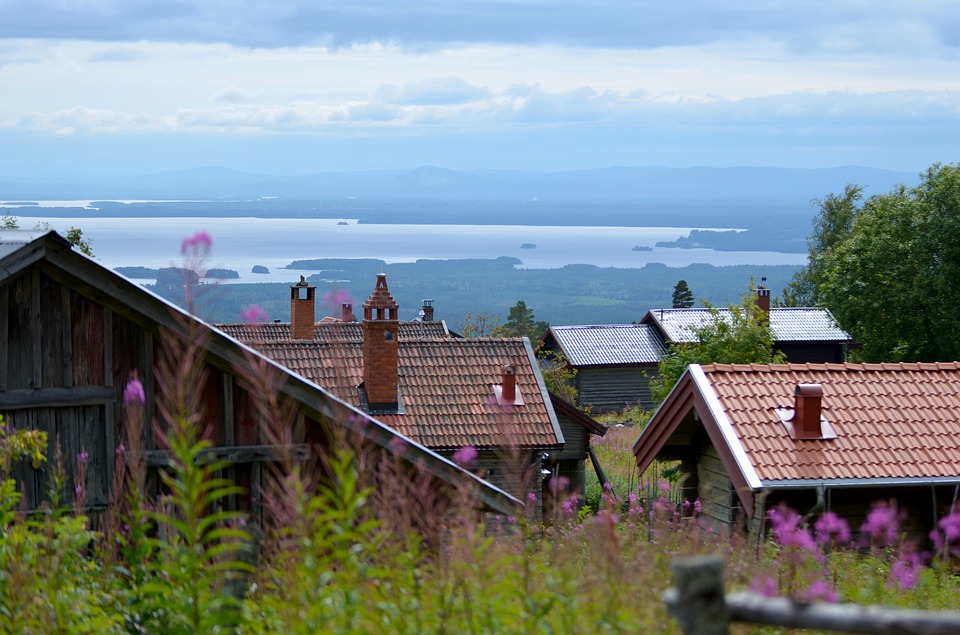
[362,542]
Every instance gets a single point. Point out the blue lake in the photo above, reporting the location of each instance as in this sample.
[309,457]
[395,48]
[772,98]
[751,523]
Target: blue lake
[241,243]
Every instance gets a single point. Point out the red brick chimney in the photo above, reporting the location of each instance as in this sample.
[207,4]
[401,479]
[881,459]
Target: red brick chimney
[763,299]
[381,357]
[346,312]
[806,415]
[509,384]
[302,310]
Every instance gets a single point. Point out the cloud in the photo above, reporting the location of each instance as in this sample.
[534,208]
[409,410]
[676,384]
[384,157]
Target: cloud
[846,25]
[230,94]
[446,90]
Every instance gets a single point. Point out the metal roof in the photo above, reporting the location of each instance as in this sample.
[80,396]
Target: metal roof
[792,324]
[603,344]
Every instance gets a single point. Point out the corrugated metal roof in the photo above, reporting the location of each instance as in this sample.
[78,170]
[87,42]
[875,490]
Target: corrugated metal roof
[893,421]
[446,388]
[793,324]
[601,344]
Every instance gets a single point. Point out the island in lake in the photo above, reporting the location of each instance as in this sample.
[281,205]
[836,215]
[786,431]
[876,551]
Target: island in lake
[528,246]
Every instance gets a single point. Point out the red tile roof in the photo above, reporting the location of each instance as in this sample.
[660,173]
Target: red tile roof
[892,421]
[446,386]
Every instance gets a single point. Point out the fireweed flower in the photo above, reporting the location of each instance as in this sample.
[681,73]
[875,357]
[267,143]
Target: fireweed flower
[819,590]
[947,536]
[787,529]
[133,393]
[197,245]
[532,497]
[253,314]
[765,586]
[334,299]
[882,526]
[905,571]
[832,530]
[465,455]
[82,457]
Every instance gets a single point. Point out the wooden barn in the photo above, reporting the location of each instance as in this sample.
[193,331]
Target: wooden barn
[73,333]
[818,437]
[614,362]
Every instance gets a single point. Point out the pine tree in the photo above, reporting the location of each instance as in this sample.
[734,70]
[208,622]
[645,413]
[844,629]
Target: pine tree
[682,296]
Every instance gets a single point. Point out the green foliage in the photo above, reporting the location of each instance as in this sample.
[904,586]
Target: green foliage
[16,445]
[887,267]
[521,322]
[75,237]
[9,222]
[479,324]
[739,335]
[558,375]
[682,296]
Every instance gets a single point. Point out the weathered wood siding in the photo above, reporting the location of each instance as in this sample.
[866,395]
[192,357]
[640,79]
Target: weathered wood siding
[609,388]
[65,359]
[719,504]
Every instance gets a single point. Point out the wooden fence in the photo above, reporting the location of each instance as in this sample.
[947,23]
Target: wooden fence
[701,607]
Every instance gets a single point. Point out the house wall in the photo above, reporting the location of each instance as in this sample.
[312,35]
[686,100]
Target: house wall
[812,352]
[611,388]
[719,505]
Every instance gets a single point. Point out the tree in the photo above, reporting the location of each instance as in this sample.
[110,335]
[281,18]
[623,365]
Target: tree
[480,324]
[9,222]
[738,335]
[522,322]
[888,267]
[682,296]
[75,238]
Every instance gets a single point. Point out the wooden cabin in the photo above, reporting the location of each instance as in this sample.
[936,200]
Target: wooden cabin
[73,333]
[818,437]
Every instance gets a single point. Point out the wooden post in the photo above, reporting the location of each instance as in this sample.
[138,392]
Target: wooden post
[698,601]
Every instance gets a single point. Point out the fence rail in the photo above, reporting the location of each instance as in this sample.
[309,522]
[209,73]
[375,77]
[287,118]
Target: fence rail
[699,604]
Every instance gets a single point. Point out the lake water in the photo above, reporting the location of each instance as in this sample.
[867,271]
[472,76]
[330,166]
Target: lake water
[241,243]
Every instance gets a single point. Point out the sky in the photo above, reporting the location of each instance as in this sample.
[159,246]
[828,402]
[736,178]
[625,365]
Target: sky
[300,86]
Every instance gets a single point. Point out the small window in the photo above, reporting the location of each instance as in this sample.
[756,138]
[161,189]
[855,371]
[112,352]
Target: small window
[388,336]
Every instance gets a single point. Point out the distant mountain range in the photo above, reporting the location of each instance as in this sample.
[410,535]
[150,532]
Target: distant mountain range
[433,183]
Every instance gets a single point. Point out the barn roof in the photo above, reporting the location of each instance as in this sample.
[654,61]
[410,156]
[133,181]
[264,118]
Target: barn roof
[791,324]
[604,344]
[21,251]
[893,423]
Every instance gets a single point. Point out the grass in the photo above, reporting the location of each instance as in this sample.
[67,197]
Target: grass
[363,545]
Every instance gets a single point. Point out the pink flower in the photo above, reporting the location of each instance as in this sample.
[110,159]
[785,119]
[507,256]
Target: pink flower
[133,393]
[832,530]
[121,450]
[787,529]
[819,590]
[253,314]
[905,572]
[765,586]
[334,300]
[83,457]
[465,455]
[882,525]
[696,507]
[532,497]
[197,245]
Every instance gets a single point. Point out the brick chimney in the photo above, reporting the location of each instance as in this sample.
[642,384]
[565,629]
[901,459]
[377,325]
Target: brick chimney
[763,298]
[381,357]
[346,312]
[426,310]
[806,417]
[302,310]
[509,384]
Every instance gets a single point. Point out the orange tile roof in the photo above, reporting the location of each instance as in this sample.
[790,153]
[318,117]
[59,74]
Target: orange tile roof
[446,387]
[893,421]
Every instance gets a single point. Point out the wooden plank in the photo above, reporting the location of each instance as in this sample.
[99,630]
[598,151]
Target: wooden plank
[56,397]
[37,375]
[67,335]
[99,458]
[256,507]
[238,454]
[108,347]
[52,323]
[108,422]
[4,334]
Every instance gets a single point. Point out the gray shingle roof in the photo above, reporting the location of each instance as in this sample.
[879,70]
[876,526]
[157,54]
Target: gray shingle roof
[794,324]
[601,344]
